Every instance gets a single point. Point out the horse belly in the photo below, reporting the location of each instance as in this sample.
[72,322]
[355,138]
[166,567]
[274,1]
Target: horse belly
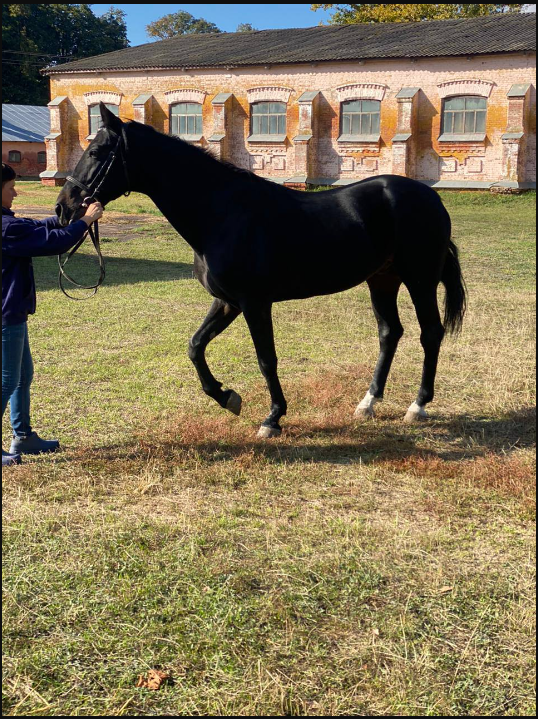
[335,267]
[326,280]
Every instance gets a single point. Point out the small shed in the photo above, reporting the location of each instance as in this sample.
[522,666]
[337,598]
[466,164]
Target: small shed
[24,128]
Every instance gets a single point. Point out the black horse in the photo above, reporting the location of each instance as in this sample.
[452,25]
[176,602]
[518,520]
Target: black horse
[257,243]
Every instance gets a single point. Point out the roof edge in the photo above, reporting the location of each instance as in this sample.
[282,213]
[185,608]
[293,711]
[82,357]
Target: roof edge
[229,66]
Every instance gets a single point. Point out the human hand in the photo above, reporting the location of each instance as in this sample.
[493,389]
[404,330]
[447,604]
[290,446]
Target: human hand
[93,212]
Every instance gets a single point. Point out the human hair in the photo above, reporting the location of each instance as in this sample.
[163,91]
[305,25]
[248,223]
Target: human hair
[8,173]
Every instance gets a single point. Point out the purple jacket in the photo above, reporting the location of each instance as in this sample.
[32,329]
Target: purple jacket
[23,239]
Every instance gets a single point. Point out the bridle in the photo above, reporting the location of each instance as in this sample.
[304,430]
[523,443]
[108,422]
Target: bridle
[92,192]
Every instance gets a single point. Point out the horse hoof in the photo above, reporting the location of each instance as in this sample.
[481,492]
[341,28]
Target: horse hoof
[234,403]
[413,417]
[364,413]
[268,432]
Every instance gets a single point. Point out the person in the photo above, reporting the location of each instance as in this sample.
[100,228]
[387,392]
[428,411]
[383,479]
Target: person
[23,239]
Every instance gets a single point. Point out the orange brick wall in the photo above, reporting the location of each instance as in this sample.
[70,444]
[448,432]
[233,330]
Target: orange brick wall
[328,157]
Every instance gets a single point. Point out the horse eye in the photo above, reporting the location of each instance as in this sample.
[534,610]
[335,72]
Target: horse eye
[93,153]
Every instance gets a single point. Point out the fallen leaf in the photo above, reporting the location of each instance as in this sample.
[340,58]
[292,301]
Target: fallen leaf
[445,590]
[154,681]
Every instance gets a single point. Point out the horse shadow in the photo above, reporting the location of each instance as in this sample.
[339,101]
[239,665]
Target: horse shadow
[119,271]
[463,438]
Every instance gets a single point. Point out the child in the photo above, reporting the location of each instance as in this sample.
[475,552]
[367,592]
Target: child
[23,239]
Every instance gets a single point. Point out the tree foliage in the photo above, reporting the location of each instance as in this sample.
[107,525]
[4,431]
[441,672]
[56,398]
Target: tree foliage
[179,23]
[245,27]
[34,36]
[406,12]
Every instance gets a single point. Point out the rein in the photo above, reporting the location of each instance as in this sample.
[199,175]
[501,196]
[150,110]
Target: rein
[93,230]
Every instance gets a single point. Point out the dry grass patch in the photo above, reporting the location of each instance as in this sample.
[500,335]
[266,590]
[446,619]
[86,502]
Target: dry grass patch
[514,474]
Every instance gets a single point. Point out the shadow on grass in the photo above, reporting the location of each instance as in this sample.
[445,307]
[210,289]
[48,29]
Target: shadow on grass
[215,441]
[119,271]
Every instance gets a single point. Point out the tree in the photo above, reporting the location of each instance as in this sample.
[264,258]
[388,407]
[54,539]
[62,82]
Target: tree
[405,12]
[246,27]
[179,23]
[38,35]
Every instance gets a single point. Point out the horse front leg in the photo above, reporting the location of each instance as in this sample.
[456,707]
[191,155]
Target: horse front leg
[220,316]
[260,324]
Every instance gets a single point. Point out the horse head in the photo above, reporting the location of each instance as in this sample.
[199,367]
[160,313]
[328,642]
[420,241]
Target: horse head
[101,173]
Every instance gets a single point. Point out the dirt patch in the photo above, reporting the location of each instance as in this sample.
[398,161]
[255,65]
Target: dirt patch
[118,225]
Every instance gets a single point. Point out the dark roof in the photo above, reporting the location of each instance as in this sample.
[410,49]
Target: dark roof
[510,32]
[25,123]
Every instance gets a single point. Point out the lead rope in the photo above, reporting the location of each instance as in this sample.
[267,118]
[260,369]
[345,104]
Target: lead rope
[93,230]
[62,274]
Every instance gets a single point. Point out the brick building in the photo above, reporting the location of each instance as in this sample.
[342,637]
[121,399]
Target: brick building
[451,103]
[24,128]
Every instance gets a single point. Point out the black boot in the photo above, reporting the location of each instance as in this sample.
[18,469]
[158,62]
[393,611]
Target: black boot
[33,444]
[8,460]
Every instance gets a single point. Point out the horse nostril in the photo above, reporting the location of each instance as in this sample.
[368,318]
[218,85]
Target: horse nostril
[58,209]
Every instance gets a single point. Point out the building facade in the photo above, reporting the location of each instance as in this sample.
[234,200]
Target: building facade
[345,111]
[24,128]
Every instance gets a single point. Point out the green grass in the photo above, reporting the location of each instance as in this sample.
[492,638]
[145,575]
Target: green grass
[344,569]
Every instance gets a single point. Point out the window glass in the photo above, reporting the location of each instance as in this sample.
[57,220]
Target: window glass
[353,106]
[480,121]
[186,119]
[475,103]
[14,156]
[361,117]
[469,122]
[458,121]
[268,118]
[42,158]
[455,103]
[464,115]
[370,106]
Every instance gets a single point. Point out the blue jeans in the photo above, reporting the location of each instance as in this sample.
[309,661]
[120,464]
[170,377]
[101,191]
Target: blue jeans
[17,375]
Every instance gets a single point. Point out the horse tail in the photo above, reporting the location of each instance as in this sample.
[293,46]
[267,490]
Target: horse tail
[456,293]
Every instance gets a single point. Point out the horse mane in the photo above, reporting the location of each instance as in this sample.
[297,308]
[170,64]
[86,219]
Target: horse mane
[204,152]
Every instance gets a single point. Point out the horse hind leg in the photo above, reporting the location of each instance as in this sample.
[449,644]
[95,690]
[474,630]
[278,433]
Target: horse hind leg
[220,316]
[431,336]
[384,289]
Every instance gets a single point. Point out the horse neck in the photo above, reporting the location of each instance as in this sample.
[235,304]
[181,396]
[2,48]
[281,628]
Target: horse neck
[186,185]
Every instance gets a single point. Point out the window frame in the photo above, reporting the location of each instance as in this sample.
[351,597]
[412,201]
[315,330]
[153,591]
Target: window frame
[10,157]
[43,154]
[448,131]
[257,130]
[347,118]
[198,128]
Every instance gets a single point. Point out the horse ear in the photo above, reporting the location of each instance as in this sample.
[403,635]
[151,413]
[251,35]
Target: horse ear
[110,121]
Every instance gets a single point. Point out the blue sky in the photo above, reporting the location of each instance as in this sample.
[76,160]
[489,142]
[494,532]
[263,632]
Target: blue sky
[225,17]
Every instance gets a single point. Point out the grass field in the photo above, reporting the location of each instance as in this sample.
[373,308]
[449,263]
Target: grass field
[344,569]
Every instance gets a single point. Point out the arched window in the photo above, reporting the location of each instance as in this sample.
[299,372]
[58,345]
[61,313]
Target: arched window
[14,156]
[42,158]
[361,117]
[268,118]
[95,116]
[186,119]
[463,115]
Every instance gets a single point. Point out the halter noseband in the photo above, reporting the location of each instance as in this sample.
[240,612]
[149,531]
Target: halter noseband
[92,194]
